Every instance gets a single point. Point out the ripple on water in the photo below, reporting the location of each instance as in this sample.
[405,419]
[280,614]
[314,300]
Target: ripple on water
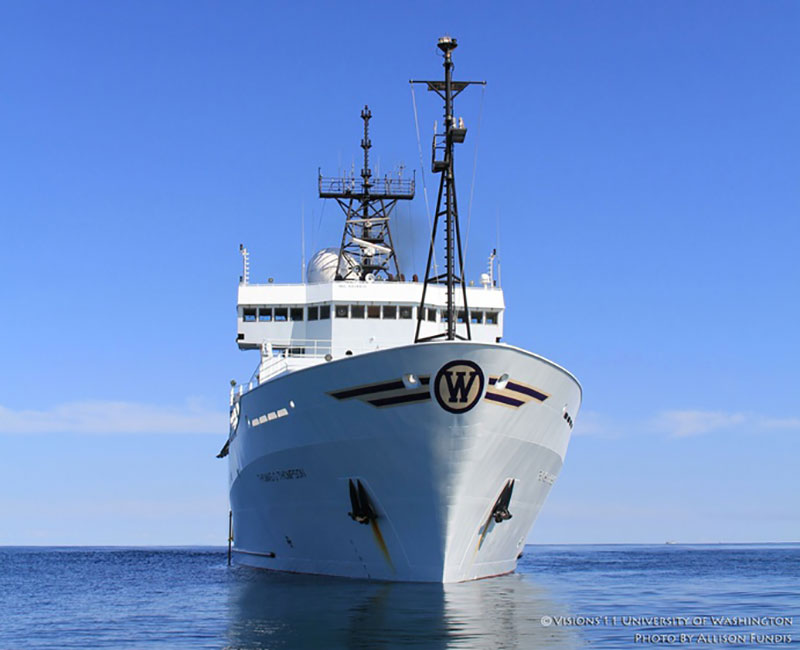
[189,598]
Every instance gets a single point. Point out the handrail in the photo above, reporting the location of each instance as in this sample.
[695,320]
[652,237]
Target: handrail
[351,283]
[286,348]
[332,187]
[276,353]
[269,368]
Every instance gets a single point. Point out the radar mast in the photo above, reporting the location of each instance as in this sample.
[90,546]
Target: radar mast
[367,252]
[446,204]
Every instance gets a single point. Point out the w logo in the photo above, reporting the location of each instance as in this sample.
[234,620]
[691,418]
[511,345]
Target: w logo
[458,386]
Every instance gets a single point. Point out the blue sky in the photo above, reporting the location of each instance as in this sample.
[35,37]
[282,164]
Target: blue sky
[637,163]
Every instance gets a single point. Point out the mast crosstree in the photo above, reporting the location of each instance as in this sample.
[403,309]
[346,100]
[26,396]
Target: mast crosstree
[446,204]
[367,252]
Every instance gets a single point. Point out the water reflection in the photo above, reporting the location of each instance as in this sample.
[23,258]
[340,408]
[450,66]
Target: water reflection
[274,610]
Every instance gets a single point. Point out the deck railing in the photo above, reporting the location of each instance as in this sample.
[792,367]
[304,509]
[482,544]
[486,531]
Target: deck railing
[388,187]
[288,348]
[276,356]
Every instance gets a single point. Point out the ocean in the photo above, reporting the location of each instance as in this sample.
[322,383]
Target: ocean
[614,596]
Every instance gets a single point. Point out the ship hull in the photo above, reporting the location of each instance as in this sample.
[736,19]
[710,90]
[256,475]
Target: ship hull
[433,458]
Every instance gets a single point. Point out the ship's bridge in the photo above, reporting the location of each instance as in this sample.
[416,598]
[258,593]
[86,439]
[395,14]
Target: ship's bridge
[307,323]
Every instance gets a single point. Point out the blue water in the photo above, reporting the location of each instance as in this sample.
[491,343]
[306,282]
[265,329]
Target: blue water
[594,596]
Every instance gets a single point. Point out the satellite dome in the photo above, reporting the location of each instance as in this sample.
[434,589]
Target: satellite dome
[322,266]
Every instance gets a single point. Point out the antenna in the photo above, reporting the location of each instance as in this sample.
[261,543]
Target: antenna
[498,246]
[446,203]
[245,279]
[302,242]
[366,249]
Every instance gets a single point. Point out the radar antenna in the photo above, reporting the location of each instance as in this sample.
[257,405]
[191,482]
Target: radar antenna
[367,251]
[446,203]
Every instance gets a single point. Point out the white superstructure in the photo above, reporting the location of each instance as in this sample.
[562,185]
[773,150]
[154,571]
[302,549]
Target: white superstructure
[387,431]
[302,323]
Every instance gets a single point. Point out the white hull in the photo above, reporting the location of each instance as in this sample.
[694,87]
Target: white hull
[433,476]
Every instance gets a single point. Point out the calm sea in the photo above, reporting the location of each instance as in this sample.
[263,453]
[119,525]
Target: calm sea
[731,596]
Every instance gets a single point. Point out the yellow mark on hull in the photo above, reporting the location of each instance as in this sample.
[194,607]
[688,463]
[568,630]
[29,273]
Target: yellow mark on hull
[381,544]
[483,534]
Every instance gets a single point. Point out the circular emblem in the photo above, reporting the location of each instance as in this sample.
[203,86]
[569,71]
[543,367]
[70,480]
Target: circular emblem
[458,386]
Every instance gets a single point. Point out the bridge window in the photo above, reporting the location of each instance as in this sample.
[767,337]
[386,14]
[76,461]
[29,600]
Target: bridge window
[249,315]
[356,311]
[444,316]
[341,311]
[296,313]
[476,316]
[406,312]
[389,311]
[281,313]
[324,312]
[431,314]
[491,318]
[461,316]
[265,314]
[313,313]
[374,311]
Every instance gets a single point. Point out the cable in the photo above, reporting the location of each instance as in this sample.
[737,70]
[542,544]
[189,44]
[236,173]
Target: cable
[474,171]
[422,170]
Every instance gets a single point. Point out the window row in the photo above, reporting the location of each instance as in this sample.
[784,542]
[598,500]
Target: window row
[269,314]
[387,312]
[476,317]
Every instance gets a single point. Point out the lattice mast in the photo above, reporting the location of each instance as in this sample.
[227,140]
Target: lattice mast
[367,251]
[446,204]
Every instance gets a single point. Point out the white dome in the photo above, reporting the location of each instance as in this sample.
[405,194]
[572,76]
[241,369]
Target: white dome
[322,266]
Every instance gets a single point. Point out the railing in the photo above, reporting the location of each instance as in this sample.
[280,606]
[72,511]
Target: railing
[268,368]
[287,348]
[386,187]
[277,354]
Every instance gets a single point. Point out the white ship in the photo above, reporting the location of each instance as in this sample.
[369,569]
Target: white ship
[387,432]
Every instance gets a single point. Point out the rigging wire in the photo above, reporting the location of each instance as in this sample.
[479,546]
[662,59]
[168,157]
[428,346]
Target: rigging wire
[413,244]
[313,231]
[422,170]
[319,223]
[474,171]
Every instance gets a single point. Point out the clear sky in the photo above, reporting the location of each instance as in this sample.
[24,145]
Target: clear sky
[637,162]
